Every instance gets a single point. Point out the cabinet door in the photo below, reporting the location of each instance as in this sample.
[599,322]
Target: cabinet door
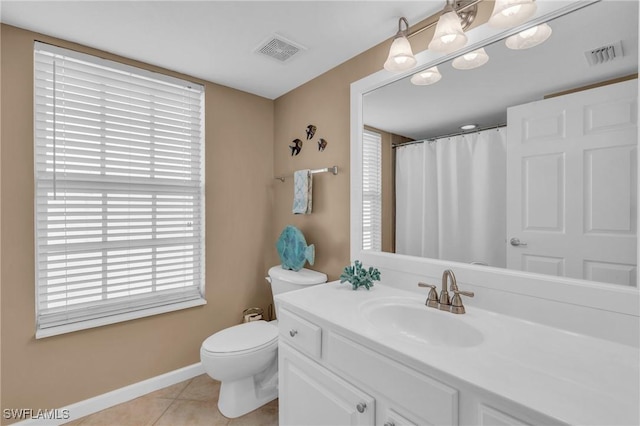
[312,395]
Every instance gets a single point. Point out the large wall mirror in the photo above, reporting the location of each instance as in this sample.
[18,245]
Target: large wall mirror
[547,181]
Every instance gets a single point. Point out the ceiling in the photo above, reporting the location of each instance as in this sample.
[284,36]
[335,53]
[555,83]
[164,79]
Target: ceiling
[482,95]
[216,40]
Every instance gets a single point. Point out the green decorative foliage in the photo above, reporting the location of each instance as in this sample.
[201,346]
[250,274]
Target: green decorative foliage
[360,277]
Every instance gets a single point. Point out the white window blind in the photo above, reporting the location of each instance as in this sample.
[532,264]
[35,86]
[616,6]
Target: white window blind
[119,191]
[371,191]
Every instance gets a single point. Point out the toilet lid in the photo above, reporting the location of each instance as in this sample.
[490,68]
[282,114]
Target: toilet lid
[242,337]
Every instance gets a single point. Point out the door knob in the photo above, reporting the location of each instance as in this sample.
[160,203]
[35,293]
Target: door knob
[361,407]
[516,242]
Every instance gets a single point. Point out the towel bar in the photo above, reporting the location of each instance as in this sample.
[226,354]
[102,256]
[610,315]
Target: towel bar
[333,170]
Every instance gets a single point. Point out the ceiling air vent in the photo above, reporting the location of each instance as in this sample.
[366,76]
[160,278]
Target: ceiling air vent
[279,48]
[604,54]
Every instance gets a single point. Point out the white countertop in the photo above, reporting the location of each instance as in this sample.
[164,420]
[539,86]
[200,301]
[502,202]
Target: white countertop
[573,378]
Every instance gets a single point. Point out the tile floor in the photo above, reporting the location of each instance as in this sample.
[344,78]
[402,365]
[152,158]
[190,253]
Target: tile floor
[190,403]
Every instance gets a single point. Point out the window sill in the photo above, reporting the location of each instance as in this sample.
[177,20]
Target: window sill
[99,322]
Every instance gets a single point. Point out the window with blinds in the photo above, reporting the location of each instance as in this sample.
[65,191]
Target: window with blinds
[119,209]
[371,191]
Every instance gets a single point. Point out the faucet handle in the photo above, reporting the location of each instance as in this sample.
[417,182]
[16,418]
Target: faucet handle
[432,299]
[456,302]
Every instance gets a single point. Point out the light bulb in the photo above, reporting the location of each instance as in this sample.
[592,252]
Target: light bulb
[471,60]
[400,54]
[449,35]
[529,33]
[509,13]
[529,38]
[446,39]
[426,77]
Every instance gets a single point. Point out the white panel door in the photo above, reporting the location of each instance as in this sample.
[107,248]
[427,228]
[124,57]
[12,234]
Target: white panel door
[572,185]
[312,395]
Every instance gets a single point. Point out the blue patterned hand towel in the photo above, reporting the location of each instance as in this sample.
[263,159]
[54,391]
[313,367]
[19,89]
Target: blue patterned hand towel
[302,192]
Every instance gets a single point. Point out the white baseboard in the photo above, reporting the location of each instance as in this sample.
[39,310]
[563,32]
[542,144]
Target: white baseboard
[118,396]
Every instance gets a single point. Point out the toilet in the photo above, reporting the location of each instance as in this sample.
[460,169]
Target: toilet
[244,357]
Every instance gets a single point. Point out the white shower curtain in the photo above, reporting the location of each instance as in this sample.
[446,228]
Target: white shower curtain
[451,198]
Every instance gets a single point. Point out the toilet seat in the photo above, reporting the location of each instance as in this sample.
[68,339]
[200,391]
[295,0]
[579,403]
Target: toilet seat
[243,338]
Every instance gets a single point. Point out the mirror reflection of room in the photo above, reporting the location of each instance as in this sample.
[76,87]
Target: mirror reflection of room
[525,162]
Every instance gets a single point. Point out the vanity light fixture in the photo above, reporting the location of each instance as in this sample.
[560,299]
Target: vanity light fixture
[530,37]
[509,13]
[471,60]
[449,35]
[462,15]
[400,54]
[426,77]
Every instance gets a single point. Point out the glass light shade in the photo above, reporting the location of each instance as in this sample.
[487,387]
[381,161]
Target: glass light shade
[449,35]
[529,37]
[509,13]
[426,77]
[400,56]
[471,60]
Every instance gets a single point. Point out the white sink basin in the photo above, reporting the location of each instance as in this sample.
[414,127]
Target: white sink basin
[410,319]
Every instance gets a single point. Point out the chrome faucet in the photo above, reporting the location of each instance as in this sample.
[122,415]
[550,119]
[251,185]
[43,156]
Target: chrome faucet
[453,305]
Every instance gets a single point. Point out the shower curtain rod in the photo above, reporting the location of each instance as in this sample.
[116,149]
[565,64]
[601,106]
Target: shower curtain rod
[480,129]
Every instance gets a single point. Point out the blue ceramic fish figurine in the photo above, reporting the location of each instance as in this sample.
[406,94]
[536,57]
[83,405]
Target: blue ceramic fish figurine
[293,249]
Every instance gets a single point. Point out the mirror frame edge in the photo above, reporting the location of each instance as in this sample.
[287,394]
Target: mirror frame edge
[625,300]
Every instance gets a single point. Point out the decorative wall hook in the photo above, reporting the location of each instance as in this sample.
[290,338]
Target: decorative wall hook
[322,144]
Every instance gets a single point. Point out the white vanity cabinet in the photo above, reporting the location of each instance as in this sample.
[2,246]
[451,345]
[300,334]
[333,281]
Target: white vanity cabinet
[340,367]
[327,379]
[309,393]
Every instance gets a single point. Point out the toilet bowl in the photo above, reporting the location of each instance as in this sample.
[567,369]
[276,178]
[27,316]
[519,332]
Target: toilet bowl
[244,357]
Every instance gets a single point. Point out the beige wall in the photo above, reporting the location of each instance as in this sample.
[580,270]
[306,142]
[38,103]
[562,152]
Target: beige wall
[325,102]
[56,371]
[328,226]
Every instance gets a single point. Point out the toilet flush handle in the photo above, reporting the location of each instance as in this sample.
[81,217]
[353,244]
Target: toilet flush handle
[293,332]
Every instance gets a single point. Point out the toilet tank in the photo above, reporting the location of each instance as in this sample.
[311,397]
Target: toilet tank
[283,280]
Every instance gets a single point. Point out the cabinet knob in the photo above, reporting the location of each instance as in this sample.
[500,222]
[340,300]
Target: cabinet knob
[293,333]
[361,407]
